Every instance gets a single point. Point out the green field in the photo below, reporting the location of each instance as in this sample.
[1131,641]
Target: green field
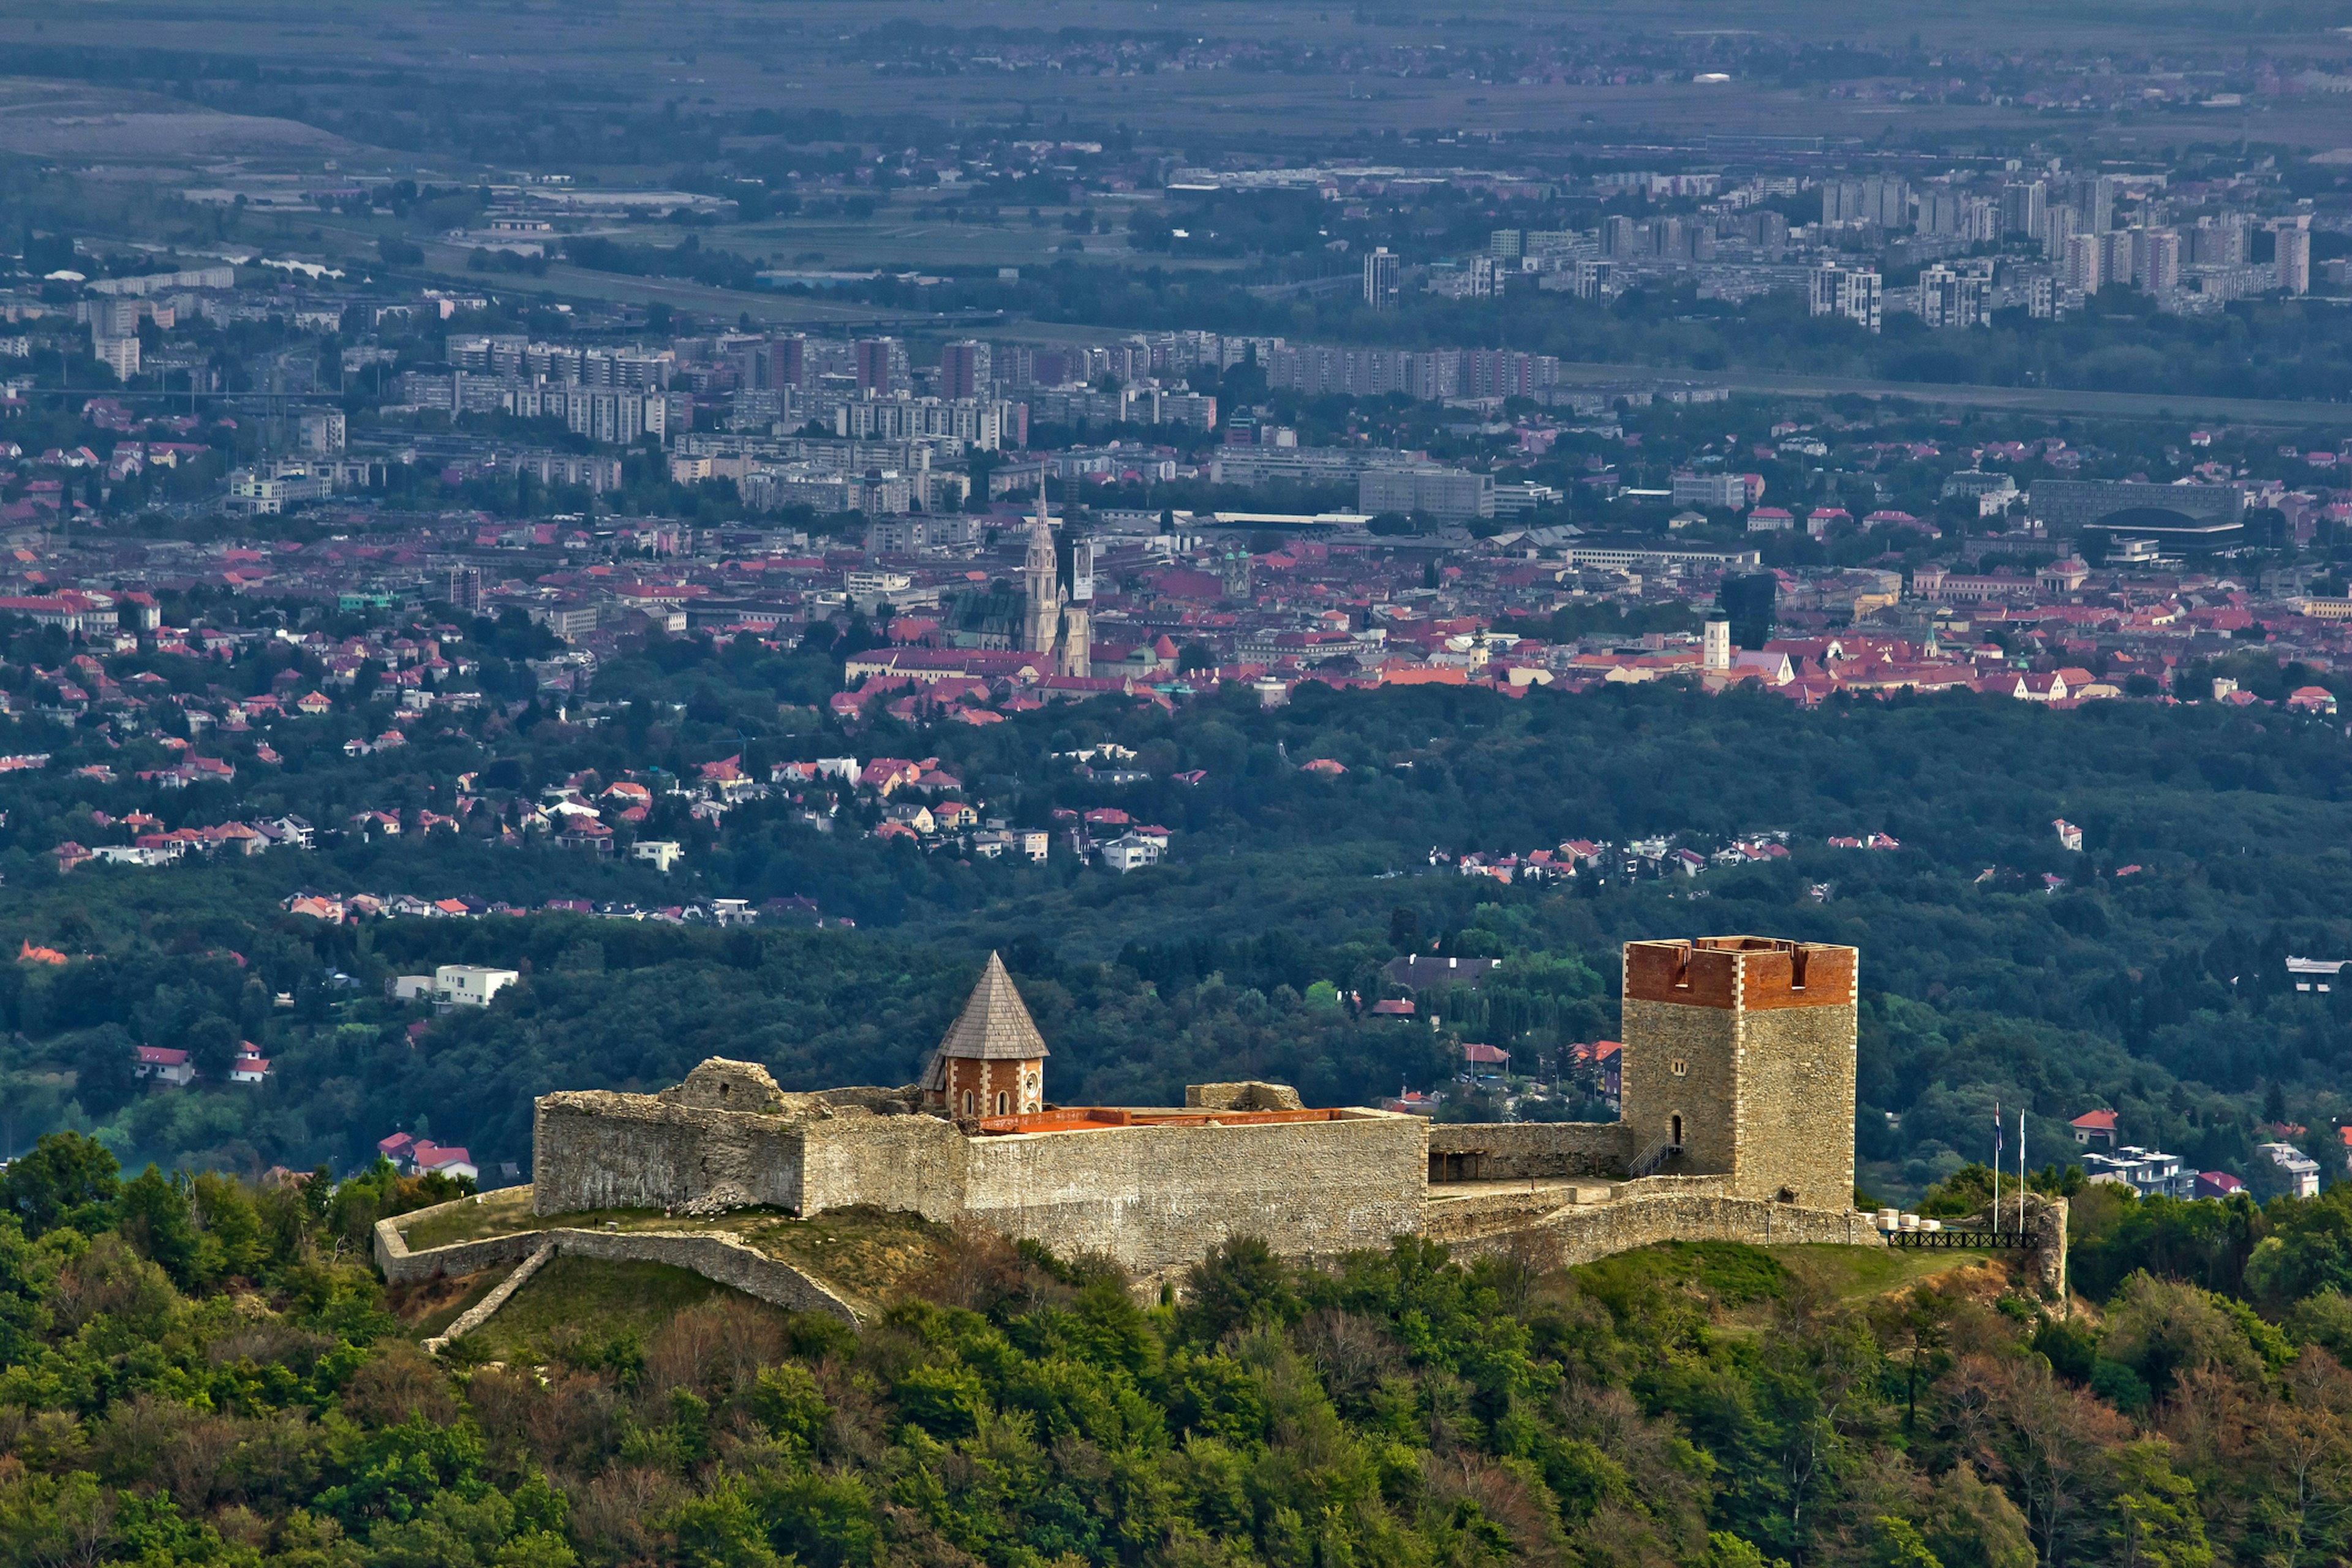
[867,1254]
[576,1301]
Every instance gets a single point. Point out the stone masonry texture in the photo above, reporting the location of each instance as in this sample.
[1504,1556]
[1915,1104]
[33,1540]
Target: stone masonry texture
[1156,1198]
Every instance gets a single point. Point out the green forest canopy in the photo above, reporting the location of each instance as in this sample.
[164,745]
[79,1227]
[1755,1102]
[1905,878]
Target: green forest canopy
[2159,991]
[193,1370]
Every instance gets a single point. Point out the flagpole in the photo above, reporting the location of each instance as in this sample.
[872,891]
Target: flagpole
[1996,1170]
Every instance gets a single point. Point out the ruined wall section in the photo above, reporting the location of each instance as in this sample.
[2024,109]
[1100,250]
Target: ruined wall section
[1246,1095]
[1159,1198]
[1517,1151]
[595,1149]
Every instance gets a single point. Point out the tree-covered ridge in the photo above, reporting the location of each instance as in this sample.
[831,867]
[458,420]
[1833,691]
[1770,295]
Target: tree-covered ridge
[194,1371]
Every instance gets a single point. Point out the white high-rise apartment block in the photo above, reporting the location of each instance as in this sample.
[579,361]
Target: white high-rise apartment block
[2294,253]
[1852,294]
[2156,259]
[2059,226]
[121,355]
[2080,269]
[1950,299]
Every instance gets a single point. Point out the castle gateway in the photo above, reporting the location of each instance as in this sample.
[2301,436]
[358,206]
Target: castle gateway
[1737,1123]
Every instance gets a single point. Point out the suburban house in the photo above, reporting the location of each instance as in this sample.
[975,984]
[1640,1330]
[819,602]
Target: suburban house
[2314,973]
[2145,1171]
[2297,1172]
[663,852]
[166,1064]
[421,1156]
[1601,1065]
[433,1160]
[454,985]
[1130,852]
[2096,1127]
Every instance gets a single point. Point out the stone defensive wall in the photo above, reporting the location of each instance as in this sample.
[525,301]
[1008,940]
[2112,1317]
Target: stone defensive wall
[1521,1150]
[918,1165]
[1152,1189]
[1158,1197]
[1582,1233]
[719,1258]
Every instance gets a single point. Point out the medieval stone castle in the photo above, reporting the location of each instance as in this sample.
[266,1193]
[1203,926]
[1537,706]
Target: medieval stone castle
[1738,1122]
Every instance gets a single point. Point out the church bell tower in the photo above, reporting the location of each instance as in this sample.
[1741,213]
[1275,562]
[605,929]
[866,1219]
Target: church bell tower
[1041,585]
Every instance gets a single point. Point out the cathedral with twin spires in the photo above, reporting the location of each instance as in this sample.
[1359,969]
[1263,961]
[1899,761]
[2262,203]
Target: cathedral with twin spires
[1058,589]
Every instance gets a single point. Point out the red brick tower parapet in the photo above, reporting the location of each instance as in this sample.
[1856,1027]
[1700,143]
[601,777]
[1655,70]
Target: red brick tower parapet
[1739,1062]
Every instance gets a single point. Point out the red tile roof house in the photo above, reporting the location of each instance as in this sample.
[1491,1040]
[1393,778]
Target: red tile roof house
[166,1065]
[2216,1184]
[2096,1127]
[432,1159]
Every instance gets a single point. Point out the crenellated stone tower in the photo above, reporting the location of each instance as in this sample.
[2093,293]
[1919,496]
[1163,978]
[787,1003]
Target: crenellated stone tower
[1739,1062]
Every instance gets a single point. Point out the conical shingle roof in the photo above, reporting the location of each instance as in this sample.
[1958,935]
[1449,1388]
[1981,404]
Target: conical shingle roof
[995,1026]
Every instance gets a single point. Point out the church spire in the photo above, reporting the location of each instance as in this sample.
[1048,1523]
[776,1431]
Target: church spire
[992,1060]
[1041,584]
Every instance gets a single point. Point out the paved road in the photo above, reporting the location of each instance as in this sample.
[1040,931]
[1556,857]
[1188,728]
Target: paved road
[770,308]
[2030,399]
[445,267]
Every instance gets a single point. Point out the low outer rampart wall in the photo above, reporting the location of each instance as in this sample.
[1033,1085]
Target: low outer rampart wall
[401,1267]
[1156,1198]
[719,1258]
[597,1149]
[1516,1149]
[1583,1234]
